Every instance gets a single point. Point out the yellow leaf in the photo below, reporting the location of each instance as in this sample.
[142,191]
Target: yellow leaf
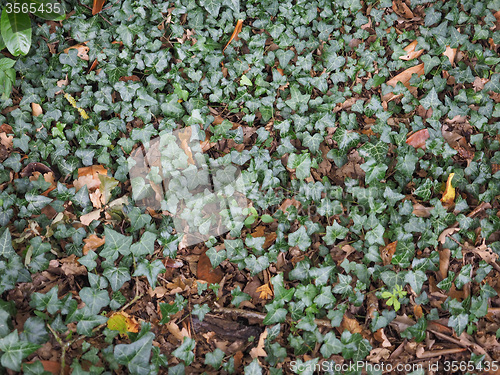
[123,323]
[449,193]
[265,291]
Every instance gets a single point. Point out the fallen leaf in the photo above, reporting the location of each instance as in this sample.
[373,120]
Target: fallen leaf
[123,323]
[236,31]
[420,210]
[387,252]
[418,138]
[411,53]
[89,176]
[36,109]
[185,135]
[172,263]
[445,233]
[265,291]
[417,310]
[351,324]
[70,266]
[92,242]
[97,6]
[404,77]
[83,50]
[206,272]
[449,194]
[259,351]
[133,78]
[178,333]
[380,336]
[450,53]
[88,218]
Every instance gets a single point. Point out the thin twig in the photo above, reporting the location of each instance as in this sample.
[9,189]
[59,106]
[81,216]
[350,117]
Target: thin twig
[64,347]
[261,316]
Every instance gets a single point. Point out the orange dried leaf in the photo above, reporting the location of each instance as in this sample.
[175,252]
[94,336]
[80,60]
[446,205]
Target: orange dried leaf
[404,77]
[351,324]
[235,33]
[387,252]
[36,109]
[410,51]
[206,272]
[89,176]
[83,51]
[123,323]
[265,291]
[449,193]
[418,138]
[450,53]
[97,6]
[92,242]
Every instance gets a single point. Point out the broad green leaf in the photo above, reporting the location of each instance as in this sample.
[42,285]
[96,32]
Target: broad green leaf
[331,345]
[117,276]
[145,246]
[275,314]
[216,257]
[214,358]
[301,163]
[151,270]
[136,355]
[333,232]
[15,350]
[185,350]
[300,239]
[6,249]
[116,243]
[94,299]
[16,32]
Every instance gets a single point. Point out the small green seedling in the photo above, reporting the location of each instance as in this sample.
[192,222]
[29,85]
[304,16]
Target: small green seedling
[254,215]
[393,298]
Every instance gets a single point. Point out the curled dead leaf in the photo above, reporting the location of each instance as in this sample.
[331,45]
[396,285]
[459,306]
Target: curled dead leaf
[450,53]
[418,138]
[259,351]
[83,50]
[449,194]
[445,233]
[351,324]
[404,77]
[234,35]
[92,242]
[206,272]
[387,252]
[420,210]
[265,291]
[36,109]
[123,323]
[410,51]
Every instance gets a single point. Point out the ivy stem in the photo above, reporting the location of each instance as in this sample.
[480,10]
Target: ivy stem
[64,347]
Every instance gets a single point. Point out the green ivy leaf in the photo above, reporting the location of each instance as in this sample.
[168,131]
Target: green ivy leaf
[116,243]
[15,350]
[333,232]
[300,238]
[118,276]
[185,351]
[150,269]
[136,355]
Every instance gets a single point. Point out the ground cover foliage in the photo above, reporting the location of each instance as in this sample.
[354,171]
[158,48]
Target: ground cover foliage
[369,133]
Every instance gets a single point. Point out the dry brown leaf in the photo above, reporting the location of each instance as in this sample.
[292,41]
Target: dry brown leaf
[378,354]
[70,266]
[97,6]
[450,53]
[404,77]
[185,135]
[445,233]
[92,242]
[83,50]
[172,263]
[265,291]
[444,263]
[87,218]
[259,351]
[387,252]
[237,30]
[132,78]
[89,176]
[36,109]
[449,194]
[420,210]
[380,336]
[418,138]
[6,140]
[206,272]
[63,82]
[351,324]
[179,334]
[289,202]
[410,51]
